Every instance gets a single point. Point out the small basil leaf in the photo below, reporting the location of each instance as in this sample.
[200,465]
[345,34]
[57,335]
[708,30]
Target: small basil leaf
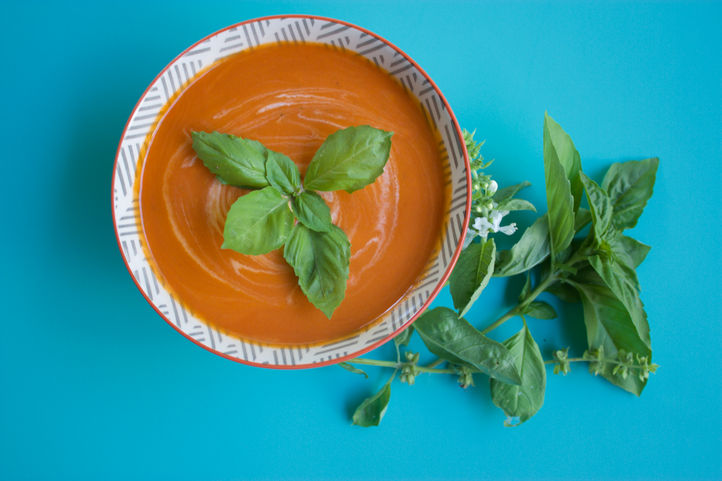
[601,209]
[526,288]
[320,261]
[630,185]
[282,173]
[258,222]
[506,193]
[609,326]
[349,159]
[524,400]
[623,283]
[472,274]
[312,211]
[540,310]
[560,201]
[404,337]
[454,339]
[353,369]
[371,411]
[565,292]
[581,219]
[516,204]
[236,161]
[629,251]
[530,250]
[567,155]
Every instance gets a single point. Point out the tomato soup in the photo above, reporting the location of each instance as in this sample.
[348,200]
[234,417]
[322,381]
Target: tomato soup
[290,97]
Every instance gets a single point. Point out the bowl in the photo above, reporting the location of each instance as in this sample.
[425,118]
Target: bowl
[247,35]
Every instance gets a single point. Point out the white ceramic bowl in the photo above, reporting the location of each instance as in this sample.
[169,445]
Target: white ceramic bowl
[291,28]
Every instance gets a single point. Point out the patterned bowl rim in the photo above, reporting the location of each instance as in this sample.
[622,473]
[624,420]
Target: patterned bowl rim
[442,279]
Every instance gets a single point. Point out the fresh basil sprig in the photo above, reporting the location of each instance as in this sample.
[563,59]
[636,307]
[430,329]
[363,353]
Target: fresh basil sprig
[596,269]
[284,212]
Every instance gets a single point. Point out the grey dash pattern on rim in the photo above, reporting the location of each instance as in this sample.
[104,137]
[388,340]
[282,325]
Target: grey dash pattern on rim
[178,75]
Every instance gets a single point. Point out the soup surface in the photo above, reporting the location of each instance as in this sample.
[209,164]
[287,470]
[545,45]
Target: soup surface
[290,97]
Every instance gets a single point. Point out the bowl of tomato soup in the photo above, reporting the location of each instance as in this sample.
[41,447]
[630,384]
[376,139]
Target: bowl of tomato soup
[289,82]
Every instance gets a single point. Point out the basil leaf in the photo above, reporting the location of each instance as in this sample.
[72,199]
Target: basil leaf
[560,202]
[371,411]
[524,400]
[404,337]
[454,339]
[236,161]
[609,326]
[530,250]
[353,369]
[601,209]
[581,219]
[472,274]
[630,185]
[282,173]
[349,159]
[516,204]
[567,155]
[629,251]
[623,283]
[312,211]
[540,310]
[526,288]
[258,222]
[506,193]
[320,261]
[565,292]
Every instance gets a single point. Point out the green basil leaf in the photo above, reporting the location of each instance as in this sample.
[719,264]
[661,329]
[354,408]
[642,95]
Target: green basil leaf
[349,159]
[623,283]
[524,400]
[516,204]
[258,222]
[565,292]
[540,310]
[236,161]
[353,369]
[609,326]
[371,411]
[506,193]
[629,251]
[282,173]
[404,337]
[454,339]
[320,261]
[560,201]
[532,249]
[526,288]
[630,185]
[471,274]
[601,209]
[567,155]
[312,211]
[581,219]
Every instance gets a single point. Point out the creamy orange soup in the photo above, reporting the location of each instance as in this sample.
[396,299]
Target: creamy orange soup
[290,98]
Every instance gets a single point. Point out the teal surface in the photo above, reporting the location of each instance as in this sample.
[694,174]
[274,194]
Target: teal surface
[95,386]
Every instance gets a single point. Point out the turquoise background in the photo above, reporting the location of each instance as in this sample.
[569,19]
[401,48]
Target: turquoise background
[94,385]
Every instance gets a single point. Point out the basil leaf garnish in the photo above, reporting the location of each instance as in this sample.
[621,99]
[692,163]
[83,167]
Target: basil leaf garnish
[282,173]
[320,261]
[258,222]
[236,161]
[349,159]
[312,211]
